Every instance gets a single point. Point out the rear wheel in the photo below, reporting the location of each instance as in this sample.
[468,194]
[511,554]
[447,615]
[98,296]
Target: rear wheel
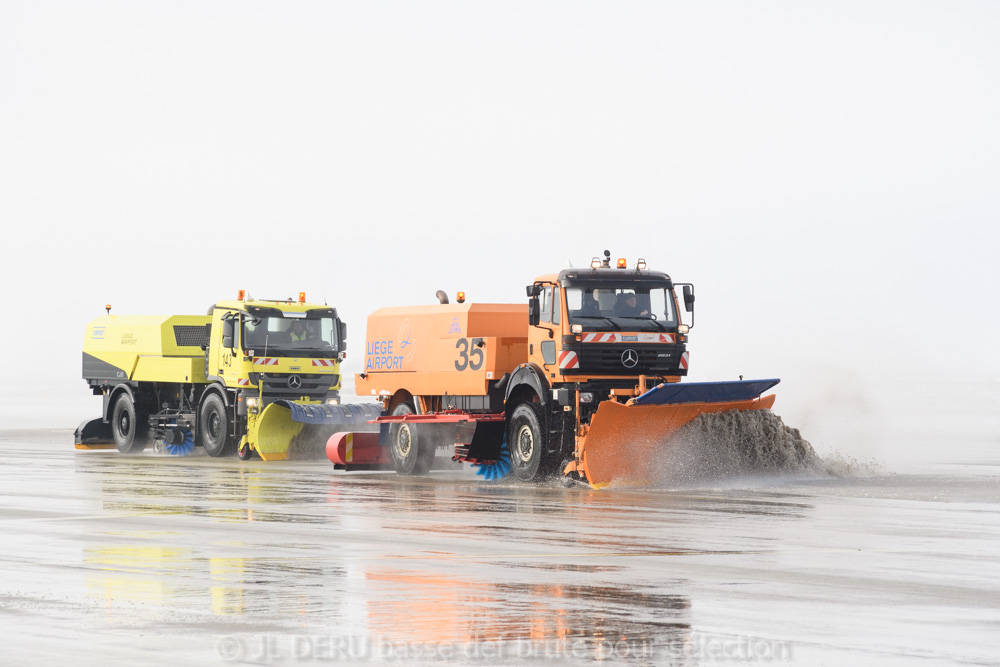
[408,457]
[127,427]
[527,442]
[213,427]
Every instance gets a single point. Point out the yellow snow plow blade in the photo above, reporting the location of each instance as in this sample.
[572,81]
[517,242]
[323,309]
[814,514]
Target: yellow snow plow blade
[624,442]
[293,430]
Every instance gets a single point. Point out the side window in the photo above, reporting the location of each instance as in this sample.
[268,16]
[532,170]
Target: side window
[546,315]
[555,306]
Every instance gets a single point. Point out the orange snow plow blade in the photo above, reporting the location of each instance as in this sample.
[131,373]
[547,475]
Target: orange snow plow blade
[624,441]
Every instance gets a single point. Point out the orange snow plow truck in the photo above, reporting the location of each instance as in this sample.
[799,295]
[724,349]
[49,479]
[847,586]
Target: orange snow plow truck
[583,380]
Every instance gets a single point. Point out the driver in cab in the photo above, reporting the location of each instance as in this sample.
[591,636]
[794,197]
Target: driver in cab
[625,306]
[299,332]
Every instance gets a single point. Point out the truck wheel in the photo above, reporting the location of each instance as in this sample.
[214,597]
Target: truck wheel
[128,430]
[526,442]
[213,427]
[404,446]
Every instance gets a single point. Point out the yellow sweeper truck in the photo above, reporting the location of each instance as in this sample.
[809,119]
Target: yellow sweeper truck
[253,375]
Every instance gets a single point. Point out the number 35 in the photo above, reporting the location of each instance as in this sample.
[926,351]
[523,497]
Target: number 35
[466,359]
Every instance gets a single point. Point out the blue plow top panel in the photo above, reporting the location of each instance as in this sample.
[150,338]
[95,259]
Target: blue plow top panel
[321,413]
[705,392]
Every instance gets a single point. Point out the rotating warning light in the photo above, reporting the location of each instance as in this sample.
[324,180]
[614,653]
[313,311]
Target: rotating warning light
[241,295]
[302,297]
[107,309]
[621,262]
[460,297]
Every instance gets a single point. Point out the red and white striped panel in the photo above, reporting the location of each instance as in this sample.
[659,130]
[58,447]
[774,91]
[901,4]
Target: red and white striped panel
[599,338]
[265,361]
[684,360]
[667,338]
[568,360]
[242,382]
[324,362]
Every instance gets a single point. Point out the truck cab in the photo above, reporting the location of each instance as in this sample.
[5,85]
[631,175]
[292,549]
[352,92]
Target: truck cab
[271,350]
[613,329]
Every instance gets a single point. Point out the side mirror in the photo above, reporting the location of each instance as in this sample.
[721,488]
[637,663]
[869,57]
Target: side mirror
[688,298]
[343,337]
[534,311]
[533,290]
[208,336]
[228,331]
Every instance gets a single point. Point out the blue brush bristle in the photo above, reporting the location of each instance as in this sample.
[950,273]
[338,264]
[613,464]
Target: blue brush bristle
[498,470]
[183,448]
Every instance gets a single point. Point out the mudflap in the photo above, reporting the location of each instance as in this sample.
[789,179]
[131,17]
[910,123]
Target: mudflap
[293,430]
[486,443]
[624,441]
[94,434]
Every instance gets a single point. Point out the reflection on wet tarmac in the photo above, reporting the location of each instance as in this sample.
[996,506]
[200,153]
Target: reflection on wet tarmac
[276,563]
[408,606]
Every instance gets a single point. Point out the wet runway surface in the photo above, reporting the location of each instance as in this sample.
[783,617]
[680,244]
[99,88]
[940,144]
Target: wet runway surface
[157,560]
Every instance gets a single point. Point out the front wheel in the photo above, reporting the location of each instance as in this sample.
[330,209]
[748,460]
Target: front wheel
[526,441]
[127,427]
[213,427]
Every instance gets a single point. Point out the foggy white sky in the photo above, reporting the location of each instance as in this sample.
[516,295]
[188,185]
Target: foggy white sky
[827,175]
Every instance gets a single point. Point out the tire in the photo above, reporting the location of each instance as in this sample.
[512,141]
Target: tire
[408,458]
[127,426]
[526,441]
[244,452]
[213,427]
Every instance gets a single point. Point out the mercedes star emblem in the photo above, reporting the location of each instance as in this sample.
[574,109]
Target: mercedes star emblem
[294,381]
[629,358]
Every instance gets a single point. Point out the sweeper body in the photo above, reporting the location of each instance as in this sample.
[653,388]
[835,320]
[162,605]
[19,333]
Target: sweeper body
[583,380]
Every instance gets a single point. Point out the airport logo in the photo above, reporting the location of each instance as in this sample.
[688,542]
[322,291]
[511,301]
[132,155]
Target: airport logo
[98,333]
[630,358]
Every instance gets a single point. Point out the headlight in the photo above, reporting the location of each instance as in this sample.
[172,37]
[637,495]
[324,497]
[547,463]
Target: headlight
[683,328]
[253,402]
[333,401]
[586,397]
[576,328]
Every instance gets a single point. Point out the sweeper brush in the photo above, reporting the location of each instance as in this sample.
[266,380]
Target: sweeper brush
[182,448]
[499,468]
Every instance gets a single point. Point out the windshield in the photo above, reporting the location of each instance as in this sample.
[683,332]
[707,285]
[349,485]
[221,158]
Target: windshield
[633,308]
[286,336]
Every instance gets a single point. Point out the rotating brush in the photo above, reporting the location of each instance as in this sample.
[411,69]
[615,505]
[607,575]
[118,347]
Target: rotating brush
[184,447]
[498,469]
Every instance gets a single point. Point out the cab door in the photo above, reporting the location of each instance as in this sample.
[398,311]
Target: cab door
[542,339]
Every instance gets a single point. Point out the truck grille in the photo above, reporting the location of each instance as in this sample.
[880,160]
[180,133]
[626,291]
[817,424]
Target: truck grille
[649,359]
[276,385]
